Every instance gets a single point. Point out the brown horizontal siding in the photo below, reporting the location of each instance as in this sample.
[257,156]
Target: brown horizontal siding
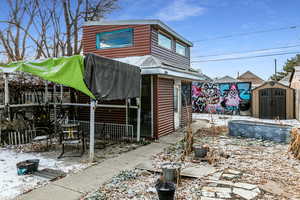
[170,56]
[107,115]
[141,41]
[163,106]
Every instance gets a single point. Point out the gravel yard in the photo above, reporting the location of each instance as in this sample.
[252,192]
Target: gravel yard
[252,169]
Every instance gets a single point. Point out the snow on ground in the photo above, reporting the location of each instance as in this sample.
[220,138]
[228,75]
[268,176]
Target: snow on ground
[222,120]
[13,185]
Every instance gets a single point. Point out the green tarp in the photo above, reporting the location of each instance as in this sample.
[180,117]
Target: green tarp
[68,71]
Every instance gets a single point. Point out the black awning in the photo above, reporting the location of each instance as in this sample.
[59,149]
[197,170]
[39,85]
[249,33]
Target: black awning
[109,79]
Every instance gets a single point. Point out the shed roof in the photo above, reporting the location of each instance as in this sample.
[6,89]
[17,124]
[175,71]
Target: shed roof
[272,84]
[140,22]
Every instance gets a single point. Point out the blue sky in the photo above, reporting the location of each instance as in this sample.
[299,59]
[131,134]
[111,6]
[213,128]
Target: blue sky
[204,19]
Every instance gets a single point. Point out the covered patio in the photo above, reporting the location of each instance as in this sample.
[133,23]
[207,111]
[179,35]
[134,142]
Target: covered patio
[101,79]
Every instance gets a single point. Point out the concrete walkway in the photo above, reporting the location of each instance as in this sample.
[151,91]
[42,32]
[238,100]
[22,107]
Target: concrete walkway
[77,185]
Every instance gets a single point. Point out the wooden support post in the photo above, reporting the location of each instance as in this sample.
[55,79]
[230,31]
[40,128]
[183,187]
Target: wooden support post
[6,93]
[92,129]
[54,107]
[61,93]
[46,92]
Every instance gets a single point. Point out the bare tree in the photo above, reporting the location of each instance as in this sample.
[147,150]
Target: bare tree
[49,28]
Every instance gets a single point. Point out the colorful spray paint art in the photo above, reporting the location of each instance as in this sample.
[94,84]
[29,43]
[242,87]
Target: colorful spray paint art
[222,98]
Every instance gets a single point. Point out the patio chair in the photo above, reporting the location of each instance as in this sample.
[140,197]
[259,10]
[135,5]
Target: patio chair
[71,135]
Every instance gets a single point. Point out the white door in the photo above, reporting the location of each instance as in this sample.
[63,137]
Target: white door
[177,103]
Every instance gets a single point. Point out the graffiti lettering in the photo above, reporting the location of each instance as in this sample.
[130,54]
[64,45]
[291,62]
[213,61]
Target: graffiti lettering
[224,98]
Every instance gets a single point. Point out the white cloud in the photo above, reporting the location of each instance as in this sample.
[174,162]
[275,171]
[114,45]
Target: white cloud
[180,10]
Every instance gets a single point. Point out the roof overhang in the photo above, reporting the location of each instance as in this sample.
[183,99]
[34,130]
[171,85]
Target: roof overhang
[174,73]
[139,22]
[154,66]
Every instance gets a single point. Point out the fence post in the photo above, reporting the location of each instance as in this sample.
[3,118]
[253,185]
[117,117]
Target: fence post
[92,129]
[126,128]
[138,135]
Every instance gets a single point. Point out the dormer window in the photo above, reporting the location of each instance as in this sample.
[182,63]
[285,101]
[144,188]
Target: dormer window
[180,49]
[115,39]
[164,41]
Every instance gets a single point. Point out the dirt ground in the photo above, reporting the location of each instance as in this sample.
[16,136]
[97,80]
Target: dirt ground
[249,168]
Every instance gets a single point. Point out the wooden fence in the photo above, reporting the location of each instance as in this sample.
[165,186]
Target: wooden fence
[16,137]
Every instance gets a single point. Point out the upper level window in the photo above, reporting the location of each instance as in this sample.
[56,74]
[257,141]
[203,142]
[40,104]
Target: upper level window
[115,39]
[164,41]
[180,49]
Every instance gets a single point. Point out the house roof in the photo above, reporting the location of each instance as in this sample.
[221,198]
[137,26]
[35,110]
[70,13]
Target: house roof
[248,76]
[287,79]
[152,65]
[140,22]
[226,79]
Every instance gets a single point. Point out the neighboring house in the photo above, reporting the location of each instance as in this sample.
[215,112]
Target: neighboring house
[251,77]
[286,80]
[164,58]
[226,79]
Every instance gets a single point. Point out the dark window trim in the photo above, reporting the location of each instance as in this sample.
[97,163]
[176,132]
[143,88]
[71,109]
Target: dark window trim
[115,31]
[186,47]
[160,33]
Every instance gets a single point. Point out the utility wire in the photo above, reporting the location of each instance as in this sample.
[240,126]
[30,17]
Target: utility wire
[250,51]
[246,57]
[248,33]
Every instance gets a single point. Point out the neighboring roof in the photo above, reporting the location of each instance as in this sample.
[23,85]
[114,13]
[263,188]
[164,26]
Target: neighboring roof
[226,79]
[140,22]
[250,77]
[152,65]
[295,79]
[286,80]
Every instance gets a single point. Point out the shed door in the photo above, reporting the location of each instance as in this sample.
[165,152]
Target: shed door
[272,103]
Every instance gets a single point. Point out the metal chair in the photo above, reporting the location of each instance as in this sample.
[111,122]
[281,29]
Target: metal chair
[71,135]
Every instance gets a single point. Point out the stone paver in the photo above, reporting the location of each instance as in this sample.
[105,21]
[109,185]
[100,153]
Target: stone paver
[245,186]
[216,189]
[246,194]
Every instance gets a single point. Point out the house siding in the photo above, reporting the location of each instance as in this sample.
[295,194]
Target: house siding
[185,112]
[107,115]
[170,56]
[141,41]
[163,106]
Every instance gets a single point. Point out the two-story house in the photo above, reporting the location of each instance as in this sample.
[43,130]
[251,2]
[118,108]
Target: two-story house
[164,58]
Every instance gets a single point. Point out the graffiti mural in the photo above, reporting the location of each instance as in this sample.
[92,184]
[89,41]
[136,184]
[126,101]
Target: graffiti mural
[223,98]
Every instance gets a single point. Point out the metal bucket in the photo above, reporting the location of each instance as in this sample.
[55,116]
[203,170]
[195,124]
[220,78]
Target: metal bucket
[200,151]
[171,171]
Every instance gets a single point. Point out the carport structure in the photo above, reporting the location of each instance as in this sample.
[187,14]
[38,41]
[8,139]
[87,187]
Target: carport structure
[100,78]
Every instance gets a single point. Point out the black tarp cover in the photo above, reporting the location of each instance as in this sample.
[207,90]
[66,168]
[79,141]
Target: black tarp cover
[109,79]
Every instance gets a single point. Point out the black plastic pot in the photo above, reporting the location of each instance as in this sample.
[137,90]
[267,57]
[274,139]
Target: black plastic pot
[27,166]
[165,191]
[36,164]
[200,152]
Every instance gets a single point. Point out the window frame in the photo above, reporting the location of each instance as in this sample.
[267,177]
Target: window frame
[166,36]
[185,48]
[186,93]
[98,35]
